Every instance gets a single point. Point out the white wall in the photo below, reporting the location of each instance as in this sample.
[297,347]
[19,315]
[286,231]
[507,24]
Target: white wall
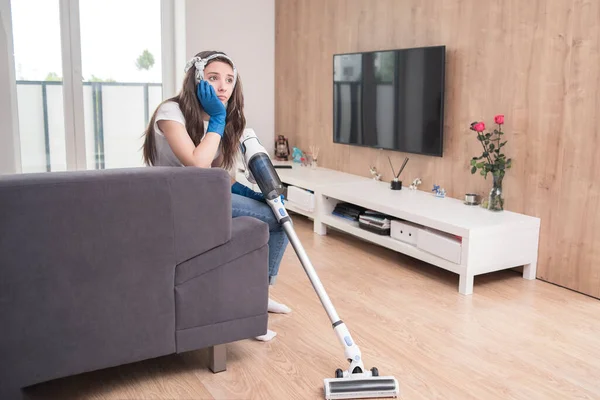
[10,161]
[245,31]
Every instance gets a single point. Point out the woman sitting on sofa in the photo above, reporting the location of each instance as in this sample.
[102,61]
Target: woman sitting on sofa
[201,127]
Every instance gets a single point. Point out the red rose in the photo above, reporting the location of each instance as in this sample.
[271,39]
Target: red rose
[499,119]
[479,127]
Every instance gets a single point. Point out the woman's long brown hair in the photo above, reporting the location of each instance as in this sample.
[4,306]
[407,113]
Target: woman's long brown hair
[192,111]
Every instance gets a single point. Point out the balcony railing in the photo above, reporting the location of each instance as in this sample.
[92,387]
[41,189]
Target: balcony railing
[115,116]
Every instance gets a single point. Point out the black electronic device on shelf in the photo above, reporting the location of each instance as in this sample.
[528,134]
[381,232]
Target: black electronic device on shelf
[348,211]
[375,222]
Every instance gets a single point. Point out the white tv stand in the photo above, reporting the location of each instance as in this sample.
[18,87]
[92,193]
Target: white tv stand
[491,241]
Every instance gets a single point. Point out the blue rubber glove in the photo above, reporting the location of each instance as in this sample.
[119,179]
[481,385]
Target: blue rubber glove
[212,106]
[242,190]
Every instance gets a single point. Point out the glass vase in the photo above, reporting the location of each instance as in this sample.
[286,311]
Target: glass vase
[496,199]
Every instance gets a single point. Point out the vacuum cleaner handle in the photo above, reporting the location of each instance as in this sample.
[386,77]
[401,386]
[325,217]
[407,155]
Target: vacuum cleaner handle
[310,271]
[351,350]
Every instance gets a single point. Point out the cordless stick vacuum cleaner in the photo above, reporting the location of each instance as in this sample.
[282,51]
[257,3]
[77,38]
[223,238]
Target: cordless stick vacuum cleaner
[355,382]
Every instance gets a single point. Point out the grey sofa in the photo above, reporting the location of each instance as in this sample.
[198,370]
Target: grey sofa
[103,268]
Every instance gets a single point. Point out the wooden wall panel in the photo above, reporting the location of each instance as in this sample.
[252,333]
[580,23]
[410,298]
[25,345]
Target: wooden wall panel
[536,62]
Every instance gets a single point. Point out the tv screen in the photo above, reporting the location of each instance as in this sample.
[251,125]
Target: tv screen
[391,99]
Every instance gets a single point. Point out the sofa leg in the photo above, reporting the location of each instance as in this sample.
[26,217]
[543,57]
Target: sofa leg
[218,358]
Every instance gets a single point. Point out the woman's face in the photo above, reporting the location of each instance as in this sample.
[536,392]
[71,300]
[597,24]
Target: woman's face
[220,76]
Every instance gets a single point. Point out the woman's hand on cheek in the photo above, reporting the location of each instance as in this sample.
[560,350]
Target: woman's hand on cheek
[213,106]
[208,99]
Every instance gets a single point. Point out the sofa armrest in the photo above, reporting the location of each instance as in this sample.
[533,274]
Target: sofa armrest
[87,264]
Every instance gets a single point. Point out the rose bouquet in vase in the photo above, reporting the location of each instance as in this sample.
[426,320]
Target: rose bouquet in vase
[492,160]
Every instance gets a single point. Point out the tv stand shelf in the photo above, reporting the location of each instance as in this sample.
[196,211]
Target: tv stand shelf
[490,241]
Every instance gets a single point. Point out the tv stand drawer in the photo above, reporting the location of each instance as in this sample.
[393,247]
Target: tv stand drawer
[440,244]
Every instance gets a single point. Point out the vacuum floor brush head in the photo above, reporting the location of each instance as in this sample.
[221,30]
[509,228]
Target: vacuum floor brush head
[363,387]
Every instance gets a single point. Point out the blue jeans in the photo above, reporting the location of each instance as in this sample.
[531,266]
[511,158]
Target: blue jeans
[278,240]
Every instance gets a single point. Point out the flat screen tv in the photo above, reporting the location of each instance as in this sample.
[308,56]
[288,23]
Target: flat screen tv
[390,99]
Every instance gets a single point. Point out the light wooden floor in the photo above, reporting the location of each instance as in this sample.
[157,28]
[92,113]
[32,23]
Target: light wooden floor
[513,339]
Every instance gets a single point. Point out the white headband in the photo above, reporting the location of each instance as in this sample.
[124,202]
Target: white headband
[200,63]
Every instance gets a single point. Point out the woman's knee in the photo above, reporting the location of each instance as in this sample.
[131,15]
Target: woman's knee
[270,219]
[258,210]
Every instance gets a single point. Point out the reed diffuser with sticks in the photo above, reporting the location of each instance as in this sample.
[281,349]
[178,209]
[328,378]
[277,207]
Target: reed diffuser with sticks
[396,184]
[314,151]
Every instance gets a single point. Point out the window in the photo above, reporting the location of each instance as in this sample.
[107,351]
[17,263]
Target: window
[88,108]
[121,77]
[38,69]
